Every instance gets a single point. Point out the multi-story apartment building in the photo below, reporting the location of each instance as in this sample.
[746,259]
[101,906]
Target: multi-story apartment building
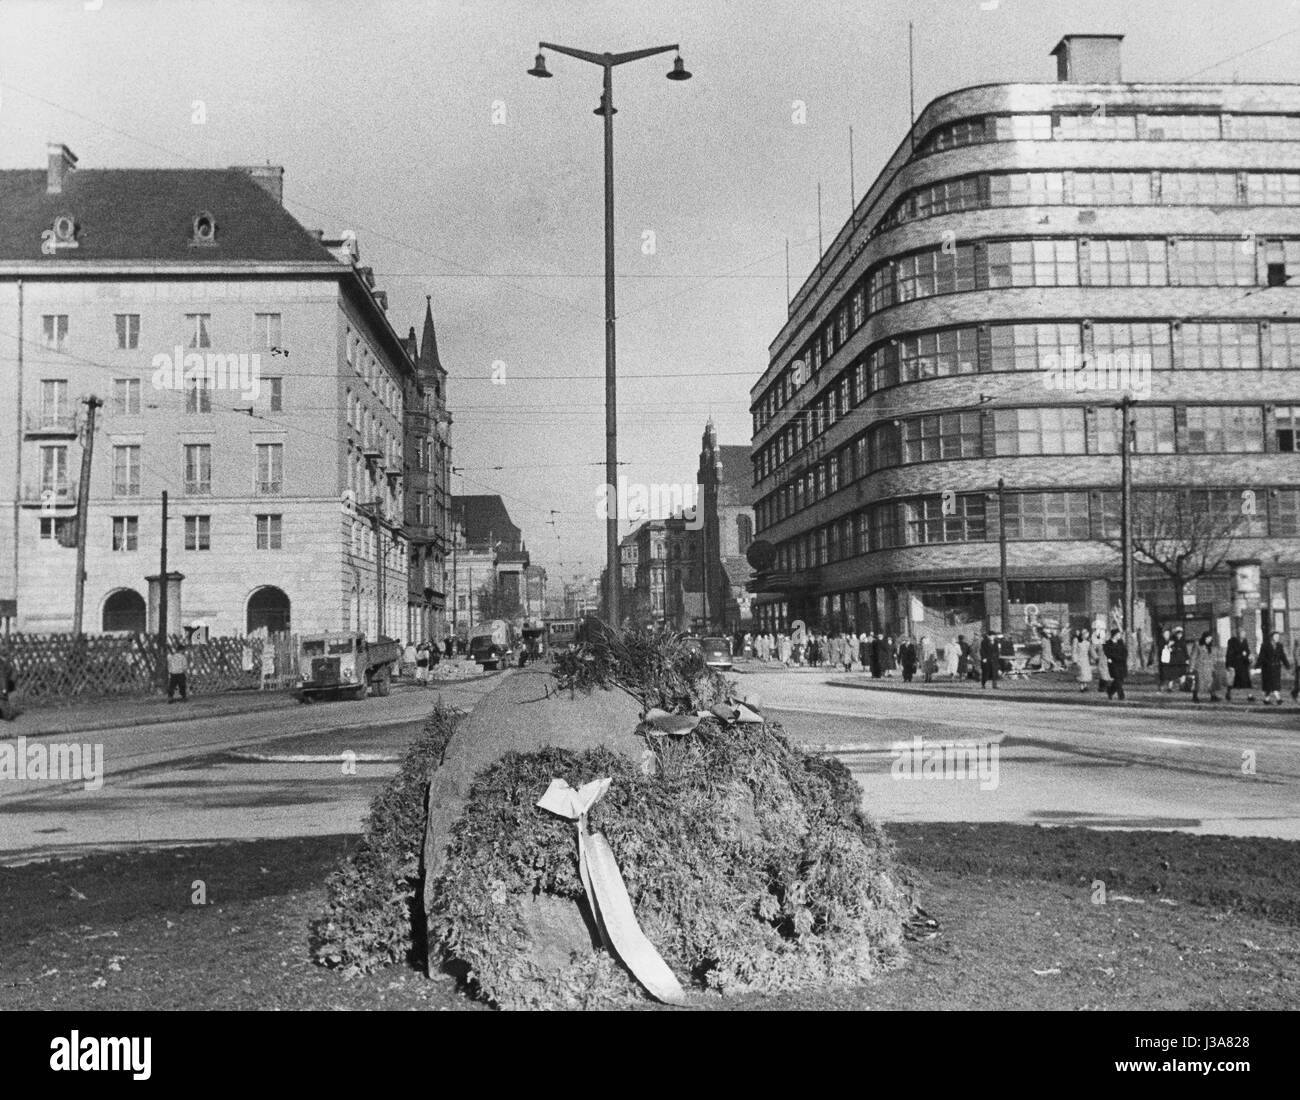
[246,366]
[427,482]
[1017,228]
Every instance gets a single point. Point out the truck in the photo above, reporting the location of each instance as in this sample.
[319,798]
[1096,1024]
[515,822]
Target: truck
[344,664]
[492,644]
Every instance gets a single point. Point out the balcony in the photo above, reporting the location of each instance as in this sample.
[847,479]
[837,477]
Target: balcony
[372,453]
[51,424]
[54,498]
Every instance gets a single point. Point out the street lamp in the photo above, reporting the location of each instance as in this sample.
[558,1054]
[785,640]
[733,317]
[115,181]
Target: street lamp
[607,61]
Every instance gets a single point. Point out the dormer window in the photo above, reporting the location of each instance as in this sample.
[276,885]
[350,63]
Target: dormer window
[204,229]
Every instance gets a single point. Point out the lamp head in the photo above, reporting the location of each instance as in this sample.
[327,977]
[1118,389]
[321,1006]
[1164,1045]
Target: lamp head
[539,67]
[679,70]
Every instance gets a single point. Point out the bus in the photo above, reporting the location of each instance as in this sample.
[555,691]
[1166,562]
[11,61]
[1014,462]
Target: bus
[561,633]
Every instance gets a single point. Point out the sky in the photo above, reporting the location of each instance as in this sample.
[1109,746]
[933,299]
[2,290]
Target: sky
[416,125]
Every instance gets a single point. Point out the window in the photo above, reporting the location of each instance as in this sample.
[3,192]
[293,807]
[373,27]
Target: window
[1213,429]
[1273,188]
[1038,431]
[941,436]
[1153,429]
[885,443]
[55,407]
[924,274]
[1283,254]
[54,469]
[126,396]
[859,306]
[883,530]
[126,471]
[198,468]
[268,532]
[198,397]
[275,395]
[1287,514]
[1022,128]
[1214,263]
[881,288]
[1198,188]
[270,467]
[128,330]
[969,131]
[1026,347]
[947,197]
[1265,128]
[924,521]
[1224,506]
[1097,126]
[198,532]
[1112,188]
[1127,263]
[126,533]
[1033,263]
[936,354]
[266,330]
[1183,127]
[1134,339]
[1026,189]
[1226,346]
[54,331]
[196,324]
[1047,515]
[59,529]
[1287,427]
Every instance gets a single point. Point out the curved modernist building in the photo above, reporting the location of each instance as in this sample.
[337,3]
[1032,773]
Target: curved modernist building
[1031,254]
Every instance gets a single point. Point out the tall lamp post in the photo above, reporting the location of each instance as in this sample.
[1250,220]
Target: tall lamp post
[607,61]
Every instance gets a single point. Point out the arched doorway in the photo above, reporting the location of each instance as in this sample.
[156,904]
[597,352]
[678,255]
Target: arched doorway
[268,607]
[124,612]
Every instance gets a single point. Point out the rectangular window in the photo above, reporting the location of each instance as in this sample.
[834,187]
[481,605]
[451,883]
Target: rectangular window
[1112,188]
[1033,263]
[1216,429]
[886,446]
[1097,126]
[1198,188]
[947,197]
[126,533]
[54,331]
[1273,188]
[1028,347]
[1127,262]
[924,274]
[1025,189]
[59,529]
[1133,338]
[270,467]
[198,397]
[1038,431]
[1153,429]
[196,324]
[126,471]
[1287,427]
[198,469]
[940,436]
[1220,346]
[198,532]
[1214,263]
[859,306]
[1287,514]
[56,408]
[1022,128]
[266,330]
[1265,128]
[937,354]
[128,330]
[268,532]
[275,395]
[883,526]
[1182,128]
[54,469]
[1040,516]
[126,396]
[969,131]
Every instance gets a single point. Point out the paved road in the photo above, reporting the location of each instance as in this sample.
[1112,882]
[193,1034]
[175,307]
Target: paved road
[190,781]
[1056,764]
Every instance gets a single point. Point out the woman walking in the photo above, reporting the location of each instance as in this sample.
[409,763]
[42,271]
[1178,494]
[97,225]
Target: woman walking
[1270,662]
[1239,665]
[1207,669]
[907,658]
[951,659]
[1115,652]
[929,659]
[1179,659]
[1081,655]
[1096,654]
[1160,654]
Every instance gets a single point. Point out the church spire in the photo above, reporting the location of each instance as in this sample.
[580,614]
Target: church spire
[429,361]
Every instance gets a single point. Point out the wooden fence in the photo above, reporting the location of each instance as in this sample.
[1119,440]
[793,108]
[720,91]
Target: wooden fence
[57,667]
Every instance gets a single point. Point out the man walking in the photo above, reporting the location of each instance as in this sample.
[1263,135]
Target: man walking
[1116,656]
[989,659]
[178,667]
[1239,665]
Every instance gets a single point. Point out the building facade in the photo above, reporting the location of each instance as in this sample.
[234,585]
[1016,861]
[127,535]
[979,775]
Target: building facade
[997,292]
[243,364]
[726,488]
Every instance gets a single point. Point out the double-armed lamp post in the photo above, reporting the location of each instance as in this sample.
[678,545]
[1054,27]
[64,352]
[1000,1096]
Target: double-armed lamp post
[607,61]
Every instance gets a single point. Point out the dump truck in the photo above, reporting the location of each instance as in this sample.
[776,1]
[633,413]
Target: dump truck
[344,664]
[493,644]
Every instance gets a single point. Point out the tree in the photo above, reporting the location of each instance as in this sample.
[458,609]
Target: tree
[1186,534]
[498,602]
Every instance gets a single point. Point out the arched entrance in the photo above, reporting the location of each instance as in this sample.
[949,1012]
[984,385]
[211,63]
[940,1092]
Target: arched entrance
[268,607]
[125,612]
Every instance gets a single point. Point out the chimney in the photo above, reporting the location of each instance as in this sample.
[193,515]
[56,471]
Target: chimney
[61,161]
[1088,58]
[269,177]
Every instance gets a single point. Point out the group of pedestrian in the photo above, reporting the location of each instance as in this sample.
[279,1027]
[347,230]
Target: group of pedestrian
[423,658]
[1202,670]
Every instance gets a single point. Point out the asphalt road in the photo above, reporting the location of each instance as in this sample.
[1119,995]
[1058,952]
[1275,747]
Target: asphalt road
[1203,772]
[222,778]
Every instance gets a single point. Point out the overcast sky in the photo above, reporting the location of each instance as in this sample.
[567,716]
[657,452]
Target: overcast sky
[382,114]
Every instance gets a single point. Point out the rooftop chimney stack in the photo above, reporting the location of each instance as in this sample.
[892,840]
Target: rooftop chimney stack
[269,177]
[60,164]
[1088,59]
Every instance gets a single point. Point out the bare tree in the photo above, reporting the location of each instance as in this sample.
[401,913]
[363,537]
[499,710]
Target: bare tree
[498,602]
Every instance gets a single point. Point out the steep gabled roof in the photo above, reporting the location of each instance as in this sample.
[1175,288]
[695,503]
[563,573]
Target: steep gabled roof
[484,519]
[147,214]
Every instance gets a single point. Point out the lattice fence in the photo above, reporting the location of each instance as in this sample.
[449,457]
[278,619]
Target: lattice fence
[65,667]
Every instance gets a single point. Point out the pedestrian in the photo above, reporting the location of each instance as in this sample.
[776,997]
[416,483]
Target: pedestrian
[907,658]
[1081,656]
[965,659]
[1271,660]
[1207,669]
[1116,653]
[1045,662]
[846,652]
[178,667]
[1058,650]
[990,660]
[1295,668]
[422,663]
[864,651]
[783,648]
[1096,654]
[1161,653]
[877,644]
[1239,664]
[1179,659]
[929,659]
[951,657]
[889,656]
[814,650]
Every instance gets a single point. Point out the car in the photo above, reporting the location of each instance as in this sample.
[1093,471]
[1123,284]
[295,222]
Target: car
[717,653]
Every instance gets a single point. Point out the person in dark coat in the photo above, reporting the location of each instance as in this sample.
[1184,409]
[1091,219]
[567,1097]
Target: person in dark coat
[1271,661]
[864,653]
[1179,659]
[1239,665]
[907,658]
[990,659]
[1115,652]
[963,658]
[889,656]
[877,645]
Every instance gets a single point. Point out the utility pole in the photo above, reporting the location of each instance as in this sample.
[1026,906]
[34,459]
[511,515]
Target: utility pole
[1004,611]
[162,596]
[1126,516]
[379,570]
[83,504]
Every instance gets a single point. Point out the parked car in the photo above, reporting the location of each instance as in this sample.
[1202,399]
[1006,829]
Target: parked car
[717,653]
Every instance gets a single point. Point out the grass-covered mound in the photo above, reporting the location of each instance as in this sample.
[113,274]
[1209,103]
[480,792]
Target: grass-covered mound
[749,867]
[372,914]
